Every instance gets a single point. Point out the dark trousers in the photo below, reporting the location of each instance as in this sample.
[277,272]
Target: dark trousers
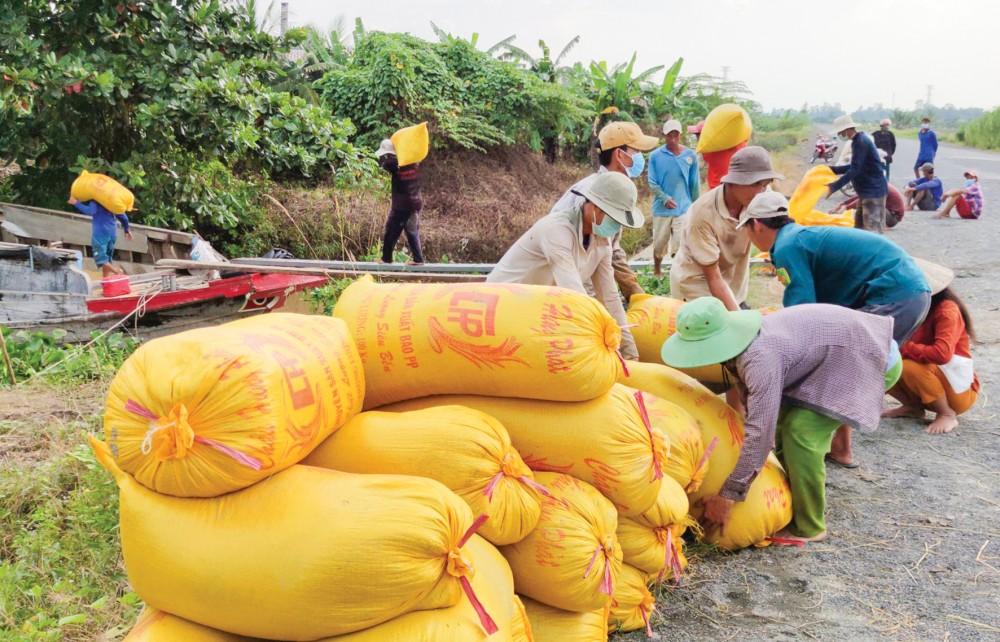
[400,221]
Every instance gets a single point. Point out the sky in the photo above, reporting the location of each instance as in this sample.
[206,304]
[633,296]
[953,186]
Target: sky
[789,52]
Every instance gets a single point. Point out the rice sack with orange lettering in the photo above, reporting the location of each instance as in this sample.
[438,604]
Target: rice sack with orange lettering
[632,605]
[466,450]
[306,554]
[653,319]
[504,340]
[766,509]
[651,541]
[687,462]
[209,411]
[607,442]
[572,559]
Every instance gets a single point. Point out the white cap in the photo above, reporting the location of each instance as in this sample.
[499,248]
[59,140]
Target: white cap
[385,147]
[672,125]
[767,204]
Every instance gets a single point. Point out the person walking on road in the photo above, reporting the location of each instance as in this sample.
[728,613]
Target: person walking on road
[928,146]
[404,212]
[841,266]
[866,173]
[926,192]
[886,141]
[572,246]
[967,200]
[620,145]
[802,372]
[674,181]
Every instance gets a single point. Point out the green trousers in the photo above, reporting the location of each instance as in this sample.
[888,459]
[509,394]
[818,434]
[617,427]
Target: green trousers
[802,441]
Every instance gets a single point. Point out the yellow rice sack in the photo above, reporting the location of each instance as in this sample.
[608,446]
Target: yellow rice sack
[411,144]
[210,411]
[570,561]
[687,462]
[466,450]
[606,442]
[721,428]
[632,604]
[765,511]
[521,629]
[157,626]
[809,191]
[649,540]
[550,624]
[726,126]
[503,340]
[653,320]
[305,554]
[115,197]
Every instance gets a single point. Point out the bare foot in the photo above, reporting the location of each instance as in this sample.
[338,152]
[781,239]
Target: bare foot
[787,538]
[939,216]
[942,424]
[904,411]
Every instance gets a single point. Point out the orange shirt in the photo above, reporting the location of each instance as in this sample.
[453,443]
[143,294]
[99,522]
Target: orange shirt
[941,336]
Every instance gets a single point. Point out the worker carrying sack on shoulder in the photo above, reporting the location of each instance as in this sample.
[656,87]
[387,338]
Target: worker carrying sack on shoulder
[112,195]
[411,144]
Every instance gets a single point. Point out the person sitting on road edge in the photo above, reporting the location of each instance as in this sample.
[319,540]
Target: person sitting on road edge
[966,200]
[866,173]
[926,192]
[620,145]
[674,180]
[841,266]
[803,372]
[103,234]
[938,373]
[404,210]
[569,247]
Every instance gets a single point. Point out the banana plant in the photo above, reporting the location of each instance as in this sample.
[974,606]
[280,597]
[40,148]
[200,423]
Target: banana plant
[497,48]
[544,66]
[617,87]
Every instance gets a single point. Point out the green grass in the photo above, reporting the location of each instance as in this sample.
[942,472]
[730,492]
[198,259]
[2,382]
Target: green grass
[983,132]
[944,136]
[61,574]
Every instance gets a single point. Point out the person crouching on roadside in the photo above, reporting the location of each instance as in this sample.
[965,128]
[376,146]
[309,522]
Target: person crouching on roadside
[966,200]
[802,371]
[938,372]
[925,192]
[404,212]
[570,246]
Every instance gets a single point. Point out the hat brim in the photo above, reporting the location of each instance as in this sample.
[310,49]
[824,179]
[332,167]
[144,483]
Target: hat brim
[645,143]
[618,214]
[938,277]
[749,178]
[741,328]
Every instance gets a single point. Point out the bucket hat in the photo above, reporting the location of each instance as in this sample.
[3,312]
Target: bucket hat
[385,147]
[707,334]
[843,122]
[615,195]
[750,165]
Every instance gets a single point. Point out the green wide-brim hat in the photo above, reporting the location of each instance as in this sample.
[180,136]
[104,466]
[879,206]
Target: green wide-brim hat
[707,334]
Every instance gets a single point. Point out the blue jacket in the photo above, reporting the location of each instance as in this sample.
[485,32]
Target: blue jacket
[866,171]
[928,146]
[675,177]
[104,225]
[932,185]
[843,266]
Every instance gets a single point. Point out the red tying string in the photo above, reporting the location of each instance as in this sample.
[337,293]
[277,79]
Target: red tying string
[484,617]
[622,359]
[645,618]
[657,464]
[531,483]
[786,541]
[138,409]
[472,529]
[708,451]
[490,487]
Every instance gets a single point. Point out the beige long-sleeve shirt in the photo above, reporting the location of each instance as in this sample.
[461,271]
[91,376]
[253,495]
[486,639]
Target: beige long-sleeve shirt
[552,252]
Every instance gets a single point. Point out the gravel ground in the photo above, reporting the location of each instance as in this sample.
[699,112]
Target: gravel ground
[914,552]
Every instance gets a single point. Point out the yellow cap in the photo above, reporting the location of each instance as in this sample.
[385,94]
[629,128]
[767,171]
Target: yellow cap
[621,133]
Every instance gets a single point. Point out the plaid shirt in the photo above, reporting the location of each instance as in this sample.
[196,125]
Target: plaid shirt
[826,358]
[974,195]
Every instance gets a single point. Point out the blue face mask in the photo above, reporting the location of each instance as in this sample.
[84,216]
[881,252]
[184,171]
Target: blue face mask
[969,182]
[638,164]
[608,227]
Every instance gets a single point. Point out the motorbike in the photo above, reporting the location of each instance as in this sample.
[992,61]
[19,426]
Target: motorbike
[824,150]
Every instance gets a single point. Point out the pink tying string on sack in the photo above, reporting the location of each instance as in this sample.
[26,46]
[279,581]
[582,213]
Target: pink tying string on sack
[645,618]
[622,360]
[246,460]
[708,452]
[606,582]
[786,541]
[484,618]
[490,487]
[476,525]
[531,483]
[657,464]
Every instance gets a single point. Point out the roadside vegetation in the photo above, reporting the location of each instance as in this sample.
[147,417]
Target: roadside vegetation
[983,132]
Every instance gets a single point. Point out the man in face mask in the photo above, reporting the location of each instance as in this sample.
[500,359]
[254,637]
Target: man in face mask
[620,146]
[866,173]
[572,246]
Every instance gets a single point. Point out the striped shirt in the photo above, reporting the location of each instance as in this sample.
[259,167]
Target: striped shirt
[826,358]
